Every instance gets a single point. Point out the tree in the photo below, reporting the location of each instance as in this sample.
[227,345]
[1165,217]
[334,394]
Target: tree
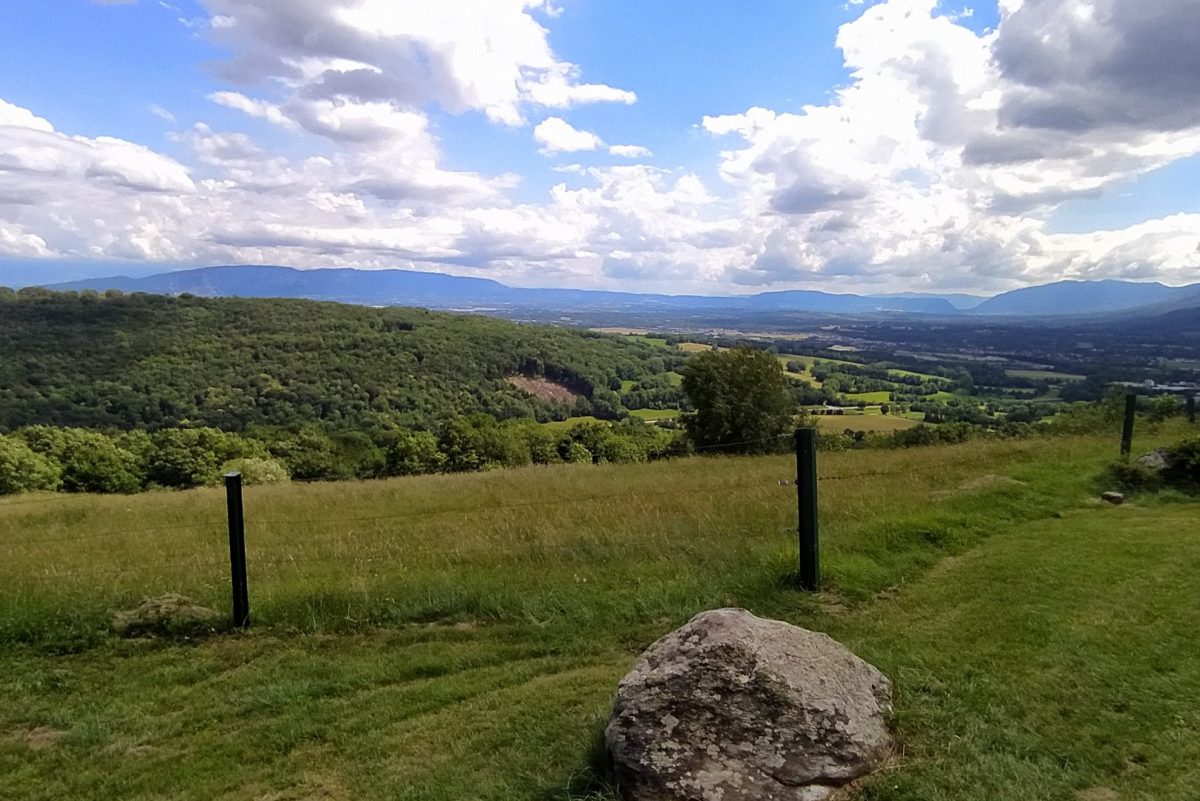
[24,470]
[740,400]
[91,461]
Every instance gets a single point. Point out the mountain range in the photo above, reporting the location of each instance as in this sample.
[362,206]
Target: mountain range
[439,291]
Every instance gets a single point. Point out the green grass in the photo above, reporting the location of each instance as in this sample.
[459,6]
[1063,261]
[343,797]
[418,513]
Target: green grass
[925,376]
[652,415]
[460,637]
[570,422]
[1058,661]
[1046,374]
[863,422]
[869,397]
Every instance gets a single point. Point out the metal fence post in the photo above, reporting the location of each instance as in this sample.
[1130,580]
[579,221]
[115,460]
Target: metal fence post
[806,506]
[1127,429]
[237,550]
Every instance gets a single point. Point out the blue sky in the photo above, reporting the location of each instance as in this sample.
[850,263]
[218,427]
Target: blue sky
[671,146]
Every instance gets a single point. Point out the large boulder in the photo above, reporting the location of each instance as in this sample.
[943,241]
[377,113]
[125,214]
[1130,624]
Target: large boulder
[733,707]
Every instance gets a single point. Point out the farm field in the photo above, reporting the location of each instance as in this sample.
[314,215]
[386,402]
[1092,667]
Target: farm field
[869,397]
[1048,375]
[653,415]
[863,422]
[455,637]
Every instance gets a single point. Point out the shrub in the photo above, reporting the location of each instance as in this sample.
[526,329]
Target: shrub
[24,470]
[90,461]
[1131,477]
[576,453]
[256,470]
[1163,407]
[188,457]
[1184,458]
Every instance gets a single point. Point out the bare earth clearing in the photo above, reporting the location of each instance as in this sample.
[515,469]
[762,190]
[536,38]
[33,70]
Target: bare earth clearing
[542,388]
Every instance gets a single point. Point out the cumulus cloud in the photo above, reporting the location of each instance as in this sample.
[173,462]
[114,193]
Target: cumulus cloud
[556,135]
[936,166]
[485,55]
[630,151]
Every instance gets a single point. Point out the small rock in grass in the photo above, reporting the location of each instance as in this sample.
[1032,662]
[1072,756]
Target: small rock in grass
[1115,498]
[732,707]
[167,615]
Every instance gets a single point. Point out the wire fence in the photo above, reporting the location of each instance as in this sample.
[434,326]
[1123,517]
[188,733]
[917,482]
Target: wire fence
[214,561]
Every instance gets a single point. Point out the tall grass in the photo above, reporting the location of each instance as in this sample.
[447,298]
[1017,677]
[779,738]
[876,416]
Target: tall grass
[587,547]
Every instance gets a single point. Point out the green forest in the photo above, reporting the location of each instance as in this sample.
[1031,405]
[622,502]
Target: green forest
[147,362]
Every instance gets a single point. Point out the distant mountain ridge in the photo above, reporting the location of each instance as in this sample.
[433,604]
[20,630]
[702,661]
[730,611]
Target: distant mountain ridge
[439,291]
[1093,297]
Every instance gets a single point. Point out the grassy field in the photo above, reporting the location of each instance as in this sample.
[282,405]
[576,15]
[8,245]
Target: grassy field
[651,415]
[882,396]
[1046,374]
[863,422]
[460,637]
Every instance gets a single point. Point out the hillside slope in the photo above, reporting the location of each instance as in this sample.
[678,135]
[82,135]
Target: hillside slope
[457,637]
[145,361]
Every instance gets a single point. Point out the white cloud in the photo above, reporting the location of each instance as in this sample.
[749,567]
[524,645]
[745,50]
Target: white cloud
[486,55]
[556,135]
[935,166]
[630,151]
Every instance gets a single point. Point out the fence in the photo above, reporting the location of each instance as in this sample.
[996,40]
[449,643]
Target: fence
[241,566]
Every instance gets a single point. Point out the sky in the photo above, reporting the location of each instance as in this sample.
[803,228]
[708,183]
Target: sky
[696,146]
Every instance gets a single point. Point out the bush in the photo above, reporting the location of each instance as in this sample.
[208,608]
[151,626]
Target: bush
[24,470]
[1184,458]
[1131,477]
[189,457]
[256,470]
[90,461]
[1163,407]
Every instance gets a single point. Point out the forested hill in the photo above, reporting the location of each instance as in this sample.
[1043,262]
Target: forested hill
[148,362]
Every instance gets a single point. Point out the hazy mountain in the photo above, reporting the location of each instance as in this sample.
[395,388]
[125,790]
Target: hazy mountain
[438,291]
[434,290]
[959,300]
[1080,297]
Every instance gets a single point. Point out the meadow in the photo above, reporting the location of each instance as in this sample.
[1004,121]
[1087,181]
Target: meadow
[460,636]
[885,423]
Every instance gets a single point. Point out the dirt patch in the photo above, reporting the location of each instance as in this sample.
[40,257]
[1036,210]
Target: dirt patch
[39,738]
[978,484]
[543,388]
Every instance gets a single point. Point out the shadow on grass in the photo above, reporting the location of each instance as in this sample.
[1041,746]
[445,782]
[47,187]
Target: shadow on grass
[595,782]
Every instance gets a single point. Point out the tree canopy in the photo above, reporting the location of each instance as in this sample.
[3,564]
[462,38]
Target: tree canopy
[740,401]
[239,364]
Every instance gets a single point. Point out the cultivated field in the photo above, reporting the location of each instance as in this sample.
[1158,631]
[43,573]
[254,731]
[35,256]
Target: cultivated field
[460,637]
[863,422]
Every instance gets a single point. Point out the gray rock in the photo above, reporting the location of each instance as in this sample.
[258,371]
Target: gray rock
[732,707]
[1157,461]
[167,615]
[1115,498]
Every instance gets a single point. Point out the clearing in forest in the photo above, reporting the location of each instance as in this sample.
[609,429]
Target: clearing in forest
[543,388]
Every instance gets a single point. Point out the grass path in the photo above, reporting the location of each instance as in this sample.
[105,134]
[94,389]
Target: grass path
[1059,661]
